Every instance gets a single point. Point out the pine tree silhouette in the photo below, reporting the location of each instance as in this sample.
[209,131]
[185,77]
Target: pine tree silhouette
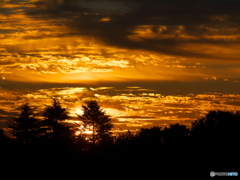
[96,118]
[25,127]
[54,117]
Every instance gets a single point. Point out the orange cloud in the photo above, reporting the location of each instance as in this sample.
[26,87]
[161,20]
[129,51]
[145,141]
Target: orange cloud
[129,110]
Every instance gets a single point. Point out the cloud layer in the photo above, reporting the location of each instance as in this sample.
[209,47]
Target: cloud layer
[130,107]
[178,51]
[171,27]
[97,41]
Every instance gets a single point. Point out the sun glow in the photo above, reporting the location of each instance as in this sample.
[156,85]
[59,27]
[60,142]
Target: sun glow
[83,131]
[76,111]
[79,128]
[114,112]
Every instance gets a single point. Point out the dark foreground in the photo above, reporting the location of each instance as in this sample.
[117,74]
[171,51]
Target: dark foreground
[212,144]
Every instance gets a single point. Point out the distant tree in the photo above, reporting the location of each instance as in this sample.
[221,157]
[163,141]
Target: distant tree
[54,117]
[152,136]
[175,134]
[95,118]
[217,126]
[216,136]
[25,127]
[154,131]
[124,138]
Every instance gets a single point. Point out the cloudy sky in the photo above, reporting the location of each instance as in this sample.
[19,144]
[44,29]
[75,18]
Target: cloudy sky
[148,62]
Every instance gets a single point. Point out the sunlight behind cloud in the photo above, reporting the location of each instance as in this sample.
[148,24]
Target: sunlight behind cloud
[128,109]
[40,50]
[110,50]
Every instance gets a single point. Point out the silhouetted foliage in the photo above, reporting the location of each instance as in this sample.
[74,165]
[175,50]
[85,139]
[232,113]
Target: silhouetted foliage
[215,139]
[25,127]
[54,117]
[152,133]
[55,112]
[124,138]
[175,134]
[95,118]
[81,142]
[150,137]
[217,127]
[211,142]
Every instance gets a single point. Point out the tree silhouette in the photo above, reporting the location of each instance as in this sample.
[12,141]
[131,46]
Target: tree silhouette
[216,137]
[217,126]
[25,127]
[213,139]
[150,137]
[55,113]
[125,138]
[54,117]
[175,134]
[94,117]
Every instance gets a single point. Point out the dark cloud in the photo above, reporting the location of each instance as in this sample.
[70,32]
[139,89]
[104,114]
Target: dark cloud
[186,22]
[5,115]
[7,6]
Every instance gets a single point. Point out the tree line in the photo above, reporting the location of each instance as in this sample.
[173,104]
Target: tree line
[52,138]
[27,129]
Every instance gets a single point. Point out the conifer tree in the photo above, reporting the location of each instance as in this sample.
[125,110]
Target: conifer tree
[54,117]
[95,117]
[25,127]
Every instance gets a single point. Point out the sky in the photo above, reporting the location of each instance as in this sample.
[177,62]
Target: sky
[147,62]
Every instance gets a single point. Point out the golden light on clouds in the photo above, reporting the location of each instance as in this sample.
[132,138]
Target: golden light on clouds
[162,52]
[130,108]
[44,48]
